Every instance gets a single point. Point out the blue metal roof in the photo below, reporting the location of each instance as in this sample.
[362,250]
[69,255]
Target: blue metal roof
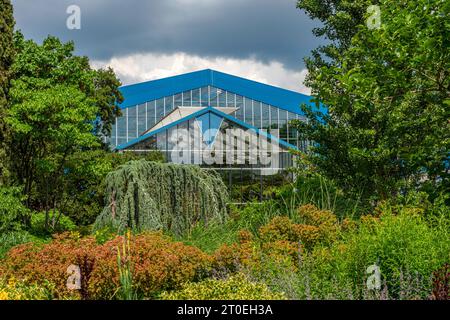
[148,91]
[197,114]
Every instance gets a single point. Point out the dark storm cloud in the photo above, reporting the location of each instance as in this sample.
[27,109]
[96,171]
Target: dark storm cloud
[264,29]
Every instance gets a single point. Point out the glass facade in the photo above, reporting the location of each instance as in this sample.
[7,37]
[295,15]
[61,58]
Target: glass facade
[138,119]
[208,135]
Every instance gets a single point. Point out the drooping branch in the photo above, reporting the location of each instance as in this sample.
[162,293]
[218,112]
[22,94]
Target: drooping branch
[143,195]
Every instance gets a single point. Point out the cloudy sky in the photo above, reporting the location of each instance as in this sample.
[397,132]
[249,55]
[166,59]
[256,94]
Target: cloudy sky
[263,40]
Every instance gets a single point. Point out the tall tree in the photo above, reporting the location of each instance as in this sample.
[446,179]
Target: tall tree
[56,100]
[6,58]
[387,94]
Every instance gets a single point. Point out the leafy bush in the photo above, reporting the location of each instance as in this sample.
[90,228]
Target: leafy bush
[13,214]
[57,223]
[407,246]
[403,244]
[11,239]
[398,243]
[157,263]
[19,290]
[236,287]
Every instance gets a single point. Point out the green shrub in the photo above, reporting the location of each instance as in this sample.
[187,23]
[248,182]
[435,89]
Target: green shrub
[19,290]
[57,223]
[237,287]
[13,214]
[15,238]
[210,238]
[404,245]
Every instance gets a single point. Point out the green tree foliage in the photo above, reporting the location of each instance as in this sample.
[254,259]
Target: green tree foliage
[56,101]
[339,21]
[388,94]
[145,195]
[13,214]
[84,185]
[6,59]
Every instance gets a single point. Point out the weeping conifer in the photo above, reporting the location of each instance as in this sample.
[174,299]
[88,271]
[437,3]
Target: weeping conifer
[143,195]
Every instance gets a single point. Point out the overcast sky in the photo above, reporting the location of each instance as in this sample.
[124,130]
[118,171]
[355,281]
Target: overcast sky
[264,40]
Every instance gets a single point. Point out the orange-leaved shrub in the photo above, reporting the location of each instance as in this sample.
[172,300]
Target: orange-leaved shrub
[324,220]
[157,264]
[279,242]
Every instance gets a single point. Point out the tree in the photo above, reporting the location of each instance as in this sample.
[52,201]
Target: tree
[56,101]
[13,214]
[387,95]
[84,183]
[146,195]
[6,59]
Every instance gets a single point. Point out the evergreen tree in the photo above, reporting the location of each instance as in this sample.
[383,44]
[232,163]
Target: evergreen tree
[6,59]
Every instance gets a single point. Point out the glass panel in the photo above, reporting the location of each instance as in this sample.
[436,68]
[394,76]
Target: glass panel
[205,96]
[172,140]
[169,104]
[213,97]
[178,100]
[183,139]
[248,111]
[122,129]
[161,139]
[257,114]
[292,132]
[113,135]
[159,109]
[240,106]
[132,123]
[151,120]
[230,99]
[283,124]
[222,94]
[142,126]
[187,101]
[265,110]
[292,116]
[274,118]
[196,97]
[147,144]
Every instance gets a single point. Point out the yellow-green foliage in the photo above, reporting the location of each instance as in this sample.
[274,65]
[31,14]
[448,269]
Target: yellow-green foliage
[237,287]
[404,245]
[19,290]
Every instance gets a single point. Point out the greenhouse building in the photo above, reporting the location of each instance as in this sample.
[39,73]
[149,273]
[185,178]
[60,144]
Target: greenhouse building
[239,127]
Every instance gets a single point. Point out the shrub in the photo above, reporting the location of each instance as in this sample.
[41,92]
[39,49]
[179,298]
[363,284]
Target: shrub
[19,290]
[319,225]
[13,214]
[157,263]
[441,283]
[404,245]
[325,221]
[236,287]
[57,223]
[11,239]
